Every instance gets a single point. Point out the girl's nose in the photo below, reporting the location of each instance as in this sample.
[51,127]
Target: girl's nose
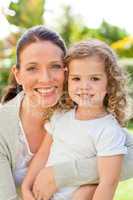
[85,85]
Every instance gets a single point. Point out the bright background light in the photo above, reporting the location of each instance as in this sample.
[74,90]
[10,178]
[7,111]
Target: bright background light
[115,12]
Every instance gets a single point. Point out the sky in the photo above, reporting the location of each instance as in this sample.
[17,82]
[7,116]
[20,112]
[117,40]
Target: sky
[115,12]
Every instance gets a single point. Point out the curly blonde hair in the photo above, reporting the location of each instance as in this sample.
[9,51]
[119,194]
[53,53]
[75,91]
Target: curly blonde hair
[116,99]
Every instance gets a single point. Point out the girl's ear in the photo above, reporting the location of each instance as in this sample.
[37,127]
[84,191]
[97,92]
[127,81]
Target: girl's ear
[16,73]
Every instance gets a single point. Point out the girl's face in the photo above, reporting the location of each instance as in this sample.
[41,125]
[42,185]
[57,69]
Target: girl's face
[41,73]
[87,82]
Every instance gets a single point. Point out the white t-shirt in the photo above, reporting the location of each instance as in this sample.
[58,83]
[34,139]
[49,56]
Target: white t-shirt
[76,139]
[24,156]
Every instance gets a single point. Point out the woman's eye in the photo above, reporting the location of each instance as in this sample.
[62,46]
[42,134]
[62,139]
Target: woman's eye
[56,66]
[31,68]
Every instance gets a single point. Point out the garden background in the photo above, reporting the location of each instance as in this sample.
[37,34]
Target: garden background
[23,14]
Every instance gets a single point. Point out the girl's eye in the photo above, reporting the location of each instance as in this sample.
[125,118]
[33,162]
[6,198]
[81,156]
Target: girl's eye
[95,78]
[76,79]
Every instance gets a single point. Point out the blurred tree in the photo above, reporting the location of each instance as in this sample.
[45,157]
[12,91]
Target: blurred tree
[72,28]
[110,33]
[124,47]
[4,74]
[26,13]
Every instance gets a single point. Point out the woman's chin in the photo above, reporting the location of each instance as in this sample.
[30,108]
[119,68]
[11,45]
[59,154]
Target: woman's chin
[45,101]
[49,102]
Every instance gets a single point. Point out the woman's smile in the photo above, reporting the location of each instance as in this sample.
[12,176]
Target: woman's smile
[41,74]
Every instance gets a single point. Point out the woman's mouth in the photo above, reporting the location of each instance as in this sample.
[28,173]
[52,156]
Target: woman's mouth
[46,91]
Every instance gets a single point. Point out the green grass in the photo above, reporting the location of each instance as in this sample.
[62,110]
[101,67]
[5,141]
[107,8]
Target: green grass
[125,188]
[130,127]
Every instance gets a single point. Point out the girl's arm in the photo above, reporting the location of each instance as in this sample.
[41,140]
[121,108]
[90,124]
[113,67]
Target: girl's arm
[109,168]
[82,171]
[85,171]
[37,164]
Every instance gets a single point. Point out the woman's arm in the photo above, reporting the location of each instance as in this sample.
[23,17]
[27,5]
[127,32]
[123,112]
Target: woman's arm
[36,165]
[109,168]
[7,186]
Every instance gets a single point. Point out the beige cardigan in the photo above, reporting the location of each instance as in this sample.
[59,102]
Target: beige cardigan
[9,126]
[66,174]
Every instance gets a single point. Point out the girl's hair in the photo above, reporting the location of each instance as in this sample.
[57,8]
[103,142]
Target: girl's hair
[32,35]
[116,98]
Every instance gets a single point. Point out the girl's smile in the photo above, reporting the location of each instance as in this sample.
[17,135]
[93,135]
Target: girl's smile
[87,83]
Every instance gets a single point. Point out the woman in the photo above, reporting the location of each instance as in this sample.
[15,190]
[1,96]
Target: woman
[39,77]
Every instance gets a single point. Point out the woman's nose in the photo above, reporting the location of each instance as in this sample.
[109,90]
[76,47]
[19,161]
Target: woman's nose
[45,75]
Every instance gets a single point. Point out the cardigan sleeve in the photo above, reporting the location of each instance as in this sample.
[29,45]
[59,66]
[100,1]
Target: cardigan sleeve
[7,185]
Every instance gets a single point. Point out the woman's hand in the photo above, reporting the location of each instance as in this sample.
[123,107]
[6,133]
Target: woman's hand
[44,186]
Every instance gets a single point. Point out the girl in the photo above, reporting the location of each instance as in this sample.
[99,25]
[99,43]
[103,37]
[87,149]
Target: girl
[94,116]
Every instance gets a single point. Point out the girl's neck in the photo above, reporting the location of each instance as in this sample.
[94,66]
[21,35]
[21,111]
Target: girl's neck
[91,113]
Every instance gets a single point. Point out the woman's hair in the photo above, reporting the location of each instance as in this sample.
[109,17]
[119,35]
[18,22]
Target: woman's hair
[32,35]
[115,100]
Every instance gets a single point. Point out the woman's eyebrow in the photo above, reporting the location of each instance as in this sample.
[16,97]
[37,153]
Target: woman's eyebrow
[31,63]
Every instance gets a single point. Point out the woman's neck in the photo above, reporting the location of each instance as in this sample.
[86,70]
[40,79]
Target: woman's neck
[31,113]
[33,125]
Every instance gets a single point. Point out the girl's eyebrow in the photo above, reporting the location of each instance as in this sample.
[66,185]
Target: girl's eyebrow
[56,61]
[74,75]
[86,75]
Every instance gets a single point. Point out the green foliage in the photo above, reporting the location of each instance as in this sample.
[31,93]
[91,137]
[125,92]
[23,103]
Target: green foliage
[72,28]
[128,65]
[111,33]
[4,74]
[124,47]
[27,13]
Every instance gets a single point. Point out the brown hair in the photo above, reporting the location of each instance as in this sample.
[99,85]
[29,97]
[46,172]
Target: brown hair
[116,99]
[32,35]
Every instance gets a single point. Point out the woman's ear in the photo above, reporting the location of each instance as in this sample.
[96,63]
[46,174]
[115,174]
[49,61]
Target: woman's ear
[16,73]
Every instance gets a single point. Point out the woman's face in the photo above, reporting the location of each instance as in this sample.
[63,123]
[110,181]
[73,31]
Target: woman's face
[41,73]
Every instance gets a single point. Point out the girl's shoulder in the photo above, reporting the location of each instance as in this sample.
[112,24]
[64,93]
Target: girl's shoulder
[61,114]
